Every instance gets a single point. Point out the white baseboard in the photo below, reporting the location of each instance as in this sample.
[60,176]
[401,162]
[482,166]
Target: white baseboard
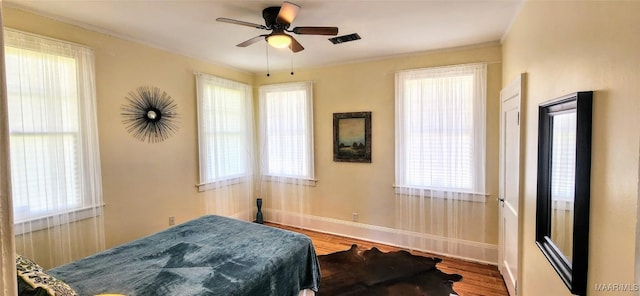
[450,247]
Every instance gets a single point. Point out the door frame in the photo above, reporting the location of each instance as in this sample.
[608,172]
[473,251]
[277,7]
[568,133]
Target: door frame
[514,89]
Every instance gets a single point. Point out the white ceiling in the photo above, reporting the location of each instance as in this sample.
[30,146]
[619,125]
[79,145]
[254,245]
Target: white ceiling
[189,27]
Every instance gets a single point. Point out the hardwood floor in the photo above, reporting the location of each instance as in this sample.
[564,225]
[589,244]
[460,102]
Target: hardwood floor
[477,279]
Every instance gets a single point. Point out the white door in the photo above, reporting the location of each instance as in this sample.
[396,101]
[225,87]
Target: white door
[509,197]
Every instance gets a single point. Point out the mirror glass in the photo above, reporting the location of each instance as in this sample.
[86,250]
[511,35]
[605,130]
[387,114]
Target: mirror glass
[563,163]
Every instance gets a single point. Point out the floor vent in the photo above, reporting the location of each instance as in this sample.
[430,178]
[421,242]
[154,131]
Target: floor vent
[344,38]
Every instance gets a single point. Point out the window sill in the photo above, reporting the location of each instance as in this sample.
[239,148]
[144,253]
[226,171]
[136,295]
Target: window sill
[441,193]
[220,183]
[290,180]
[53,220]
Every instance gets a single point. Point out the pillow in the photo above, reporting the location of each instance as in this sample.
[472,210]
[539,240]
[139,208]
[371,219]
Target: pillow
[33,281]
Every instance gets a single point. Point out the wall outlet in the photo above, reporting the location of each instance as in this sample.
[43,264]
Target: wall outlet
[354,217]
[172,220]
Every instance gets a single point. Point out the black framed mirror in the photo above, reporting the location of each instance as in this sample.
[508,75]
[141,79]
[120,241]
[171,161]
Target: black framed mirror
[564,186]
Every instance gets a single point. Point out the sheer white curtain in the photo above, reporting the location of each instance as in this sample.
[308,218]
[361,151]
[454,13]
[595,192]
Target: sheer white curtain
[226,146]
[7,255]
[286,150]
[440,155]
[55,164]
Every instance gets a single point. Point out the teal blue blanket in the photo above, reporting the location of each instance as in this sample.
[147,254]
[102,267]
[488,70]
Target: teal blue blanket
[211,255]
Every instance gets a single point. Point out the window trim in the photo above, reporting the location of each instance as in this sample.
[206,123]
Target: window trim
[309,179]
[416,191]
[48,221]
[205,185]
[409,189]
[222,182]
[290,180]
[87,132]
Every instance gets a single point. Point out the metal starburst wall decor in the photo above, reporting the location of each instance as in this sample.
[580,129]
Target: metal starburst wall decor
[150,114]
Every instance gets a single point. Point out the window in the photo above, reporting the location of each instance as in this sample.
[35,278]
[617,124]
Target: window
[55,166]
[225,127]
[440,129]
[286,121]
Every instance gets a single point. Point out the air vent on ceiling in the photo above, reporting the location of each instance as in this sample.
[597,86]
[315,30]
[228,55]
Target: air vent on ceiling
[344,38]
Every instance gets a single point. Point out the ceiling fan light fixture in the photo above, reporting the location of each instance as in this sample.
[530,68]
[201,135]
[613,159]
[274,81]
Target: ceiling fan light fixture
[278,19]
[279,40]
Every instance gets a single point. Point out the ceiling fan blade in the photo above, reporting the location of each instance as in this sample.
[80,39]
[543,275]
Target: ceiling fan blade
[288,12]
[316,30]
[242,23]
[295,45]
[251,41]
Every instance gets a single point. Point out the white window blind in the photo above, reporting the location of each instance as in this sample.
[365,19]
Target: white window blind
[225,128]
[55,166]
[440,129]
[286,121]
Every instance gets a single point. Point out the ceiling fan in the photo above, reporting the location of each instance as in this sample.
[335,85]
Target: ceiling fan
[278,20]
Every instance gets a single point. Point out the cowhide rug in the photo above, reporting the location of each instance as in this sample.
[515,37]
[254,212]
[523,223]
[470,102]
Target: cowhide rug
[371,272]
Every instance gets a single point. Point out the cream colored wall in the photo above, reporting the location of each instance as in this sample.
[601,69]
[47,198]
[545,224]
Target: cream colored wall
[366,188]
[143,184]
[568,46]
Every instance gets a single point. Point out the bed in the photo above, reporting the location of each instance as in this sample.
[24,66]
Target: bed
[211,255]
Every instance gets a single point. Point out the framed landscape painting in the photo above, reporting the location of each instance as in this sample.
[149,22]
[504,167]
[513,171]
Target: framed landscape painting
[352,137]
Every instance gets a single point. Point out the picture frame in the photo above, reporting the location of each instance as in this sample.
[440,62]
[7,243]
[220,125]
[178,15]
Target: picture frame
[352,137]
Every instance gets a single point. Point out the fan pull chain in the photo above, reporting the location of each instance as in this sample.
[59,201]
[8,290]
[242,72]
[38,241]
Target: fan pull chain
[292,63]
[267,45]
